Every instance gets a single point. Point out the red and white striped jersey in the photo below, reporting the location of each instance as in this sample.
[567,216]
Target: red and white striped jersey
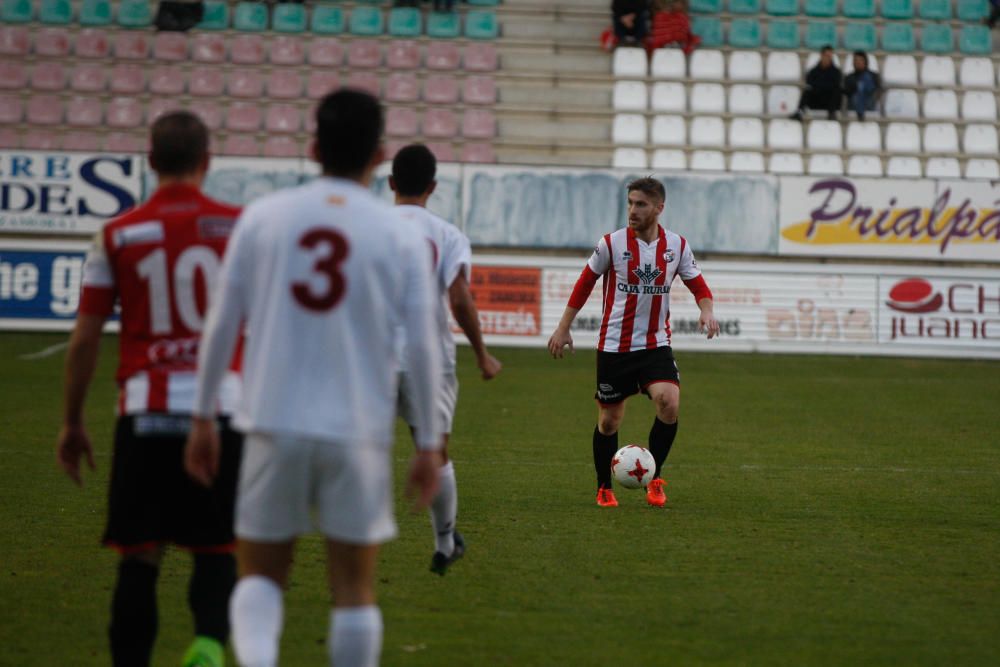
[637,278]
[159,262]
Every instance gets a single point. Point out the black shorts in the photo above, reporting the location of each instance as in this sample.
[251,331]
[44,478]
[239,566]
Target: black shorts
[152,500]
[622,374]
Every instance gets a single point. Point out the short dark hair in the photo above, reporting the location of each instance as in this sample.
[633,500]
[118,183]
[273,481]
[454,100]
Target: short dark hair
[178,144]
[348,131]
[861,54]
[413,170]
[649,186]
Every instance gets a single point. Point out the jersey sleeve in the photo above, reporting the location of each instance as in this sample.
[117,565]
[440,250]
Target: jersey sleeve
[98,290]
[456,258]
[687,269]
[600,261]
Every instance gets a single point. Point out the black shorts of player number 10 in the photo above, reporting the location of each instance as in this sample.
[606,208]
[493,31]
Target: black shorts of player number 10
[623,374]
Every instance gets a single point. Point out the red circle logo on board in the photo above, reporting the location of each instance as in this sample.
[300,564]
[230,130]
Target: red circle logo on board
[914,295]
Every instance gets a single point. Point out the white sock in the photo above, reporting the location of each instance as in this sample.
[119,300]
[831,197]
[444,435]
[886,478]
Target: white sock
[355,636]
[256,613]
[444,511]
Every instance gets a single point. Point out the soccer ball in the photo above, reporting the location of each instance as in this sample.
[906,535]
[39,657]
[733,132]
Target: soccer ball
[633,466]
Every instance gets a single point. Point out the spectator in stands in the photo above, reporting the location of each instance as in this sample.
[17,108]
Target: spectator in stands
[994,14]
[179,15]
[862,87]
[822,89]
[631,20]
[671,25]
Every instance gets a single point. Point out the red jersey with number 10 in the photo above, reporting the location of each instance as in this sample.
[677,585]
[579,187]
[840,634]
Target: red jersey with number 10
[159,261]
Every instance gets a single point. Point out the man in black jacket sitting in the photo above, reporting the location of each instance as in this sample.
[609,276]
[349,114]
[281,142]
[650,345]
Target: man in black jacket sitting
[822,89]
[631,19]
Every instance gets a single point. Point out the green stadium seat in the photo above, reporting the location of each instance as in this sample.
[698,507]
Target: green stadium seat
[897,9]
[289,17]
[250,17]
[860,37]
[936,10]
[936,38]
[783,35]
[975,40]
[135,14]
[709,29]
[481,24]
[705,6]
[327,20]
[405,22]
[972,10]
[55,12]
[744,33]
[744,6]
[444,25]
[16,11]
[859,9]
[367,22]
[821,8]
[216,16]
[95,12]
[898,37]
[782,7]
[820,34]
[483,3]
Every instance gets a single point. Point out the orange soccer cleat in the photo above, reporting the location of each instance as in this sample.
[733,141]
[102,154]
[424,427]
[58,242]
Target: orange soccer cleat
[606,497]
[654,493]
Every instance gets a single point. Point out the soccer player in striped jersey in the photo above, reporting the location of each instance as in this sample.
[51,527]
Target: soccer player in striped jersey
[638,264]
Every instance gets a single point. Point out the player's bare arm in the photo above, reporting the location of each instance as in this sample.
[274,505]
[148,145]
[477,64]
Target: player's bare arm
[81,360]
[561,337]
[463,307]
[707,321]
[202,451]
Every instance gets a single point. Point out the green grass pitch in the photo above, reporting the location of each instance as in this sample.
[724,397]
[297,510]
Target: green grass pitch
[823,511]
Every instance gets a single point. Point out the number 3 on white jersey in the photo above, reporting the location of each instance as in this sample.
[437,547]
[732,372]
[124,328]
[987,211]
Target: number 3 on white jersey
[153,269]
[333,250]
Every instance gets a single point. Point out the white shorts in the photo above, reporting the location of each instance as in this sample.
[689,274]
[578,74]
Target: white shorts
[290,485]
[444,404]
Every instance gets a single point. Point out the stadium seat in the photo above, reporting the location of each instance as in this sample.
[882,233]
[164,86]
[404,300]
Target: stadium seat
[899,70]
[813,59]
[864,165]
[286,50]
[55,12]
[326,52]
[442,56]
[669,131]
[669,96]
[245,83]
[705,6]
[132,45]
[16,11]
[366,81]
[975,40]
[240,145]
[860,37]
[709,29]
[440,123]
[364,53]
[707,131]
[327,20]
[402,54]
[135,14]
[481,57]
[283,119]
[208,48]
[88,78]
[319,83]
[40,140]
[405,22]
[709,98]
[937,71]
[11,108]
[782,100]
[628,62]
[707,64]
[820,34]
[13,76]
[167,80]
[746,66]
[14,40]
[481,124]
[979,139]
[444,25]
[170,46]
[629,158]
[89,43]
[821,8]
[123,112]
[744,33]
[746,99]
[441,89]
[206,82]
[367,22]
[215,16]
[250,17]
[402,87]
[935,10]
[746,133]
[121,142]
[478,153]
[940,138]
[284,84]
[782,7]
[247,50]
[972,10]
[746,162]
[979,105]
[976,72]
[981,168]
[629,96]
[669,159]
[160,106]
[864,137]
[903,167]
[629,128]
[282,146]
[783,35]
[84,112]
[48,76]
[940,104]
[95,12]
[744,6]
[10,137]
[824,135]
[825,164]
[785,163]
[942,167]
[243,117]
[898,37]
[128,79]
[708,161]
[481,25]
[936,38]
[668,64]
[897,9]
[783,67]
[902,138]
[289,17]
[784,134]
[81,141]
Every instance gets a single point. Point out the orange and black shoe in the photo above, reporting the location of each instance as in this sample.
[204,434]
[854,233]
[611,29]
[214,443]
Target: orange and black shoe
[606,497]
[654,493]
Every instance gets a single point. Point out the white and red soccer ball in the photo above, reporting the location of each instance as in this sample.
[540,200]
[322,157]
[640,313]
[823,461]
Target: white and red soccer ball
[633,467]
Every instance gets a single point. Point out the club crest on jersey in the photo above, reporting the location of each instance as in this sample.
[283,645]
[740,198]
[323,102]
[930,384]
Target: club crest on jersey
[669,255]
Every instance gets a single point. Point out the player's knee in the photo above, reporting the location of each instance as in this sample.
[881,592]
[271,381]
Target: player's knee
[608,423]
[151,556]
[667,407]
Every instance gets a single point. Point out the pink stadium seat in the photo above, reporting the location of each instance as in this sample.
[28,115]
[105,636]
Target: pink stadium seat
[90,43]
[401,122]
[478,153]
[480,57]
[441,89]
[81,141]
[479,90]
[403,54]
[393,147]
[366,81]
[55,43]
[479,124]
[364,53]
[284,84]
[161,105]
[132,45]
[206,82]
[442,55]
[326,52]
[241,145]
[166,80]
[243,117]
[285,50]
[89,78]
[440,123]
[170,46]
[282,147]
[245,83]
[84,112]
[208,47]
[11,109]
[10,137]
[127,79]
[442,151]
[310,120]
[320,83]
[123,112]
[209,112]
[247,50]
[13,75]
[119,142]
[402,87]
[48,76]
[283,118]
[44,110]
[14,40]
[40,140]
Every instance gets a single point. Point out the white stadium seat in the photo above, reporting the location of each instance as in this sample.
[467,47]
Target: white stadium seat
[785,163]
[669,131]
[906,167]
[746,99]
[746,133]
[746,66]
[937,71]
[980,139]
[708,131]
[629,96]
[629,128]
[668,64]
[707,64]
[708,161]
[629,158]
[940,104]
[825,135]
[901,103]
[942,167]
[982,168]
[669,96]
[940,138]
[746,162]
[824,164]
[783,66]
[629,62]
[976,72]
[669,158]
[902,138]
[813,59]
[865,137]
[782,100]
[899,70]
[784,134]
[708,98]
[979,105]
[864,165]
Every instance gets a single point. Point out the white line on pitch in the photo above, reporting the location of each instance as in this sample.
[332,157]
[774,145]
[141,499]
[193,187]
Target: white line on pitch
[47,352]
